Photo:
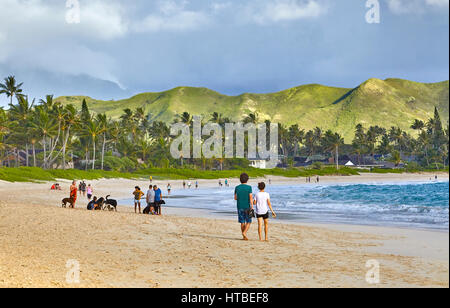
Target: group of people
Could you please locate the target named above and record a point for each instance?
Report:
(86, 190)
(227, 183)
(250, 206)
(309, 179)
(153, 200)
(189, 185)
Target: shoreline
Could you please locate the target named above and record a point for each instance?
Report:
(184, 249)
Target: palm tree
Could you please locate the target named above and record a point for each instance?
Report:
(396, 158)
(103, 121)
(93, 129)
(216, 118)
(185, 118)
(296, 136)
(418, 125)
(10, 88)
(45, 126)
(332, 143)
(21, 115)
(251, 118)
(4, 129)
(71, 120)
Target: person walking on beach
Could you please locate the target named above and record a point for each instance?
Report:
(158, 200)
(90, 192)
(73, 193)
(151, 179)
(137, 198)
(184, 184)
(196, 184)
(226, 182)
(169, 188)
(243, 196)
(262, 202)
(83, 188)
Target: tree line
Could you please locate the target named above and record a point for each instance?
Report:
(48, 134)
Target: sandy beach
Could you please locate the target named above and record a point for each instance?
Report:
(190, 248)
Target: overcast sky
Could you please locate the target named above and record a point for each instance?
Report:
(123, 47)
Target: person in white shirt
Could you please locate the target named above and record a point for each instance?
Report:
(151, 199)
(262, 206)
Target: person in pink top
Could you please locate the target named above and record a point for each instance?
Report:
(90, 192)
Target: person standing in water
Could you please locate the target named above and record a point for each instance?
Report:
(262, 203)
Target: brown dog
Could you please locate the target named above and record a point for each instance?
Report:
(66, 201)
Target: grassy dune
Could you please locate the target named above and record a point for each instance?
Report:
(29, 174)
(390, 102)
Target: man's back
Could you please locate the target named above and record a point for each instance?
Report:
(158, 195)
(243, 192)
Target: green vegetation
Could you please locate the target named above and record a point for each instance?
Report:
(55, 136)
(31, 174)
(392, 102)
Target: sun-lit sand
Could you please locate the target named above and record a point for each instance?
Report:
(190, 248)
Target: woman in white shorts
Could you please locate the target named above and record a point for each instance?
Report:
(262, 206)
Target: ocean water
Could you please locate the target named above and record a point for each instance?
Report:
(411, 205)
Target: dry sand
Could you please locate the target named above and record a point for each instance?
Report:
(123, 249)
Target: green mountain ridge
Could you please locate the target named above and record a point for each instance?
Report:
(390, 102)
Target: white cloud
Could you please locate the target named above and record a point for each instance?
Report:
(34, 34)
(218, 7)
(415, 6)
(103, 19)
(173, 16)
(438, 3)
(272, 11)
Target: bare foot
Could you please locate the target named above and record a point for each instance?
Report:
(245, 238)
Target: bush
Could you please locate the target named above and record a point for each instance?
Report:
(317, 165)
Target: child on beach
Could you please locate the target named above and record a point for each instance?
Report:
(137, 198)
(262, 202)
(90, 192)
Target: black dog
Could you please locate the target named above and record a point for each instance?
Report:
(110, 204)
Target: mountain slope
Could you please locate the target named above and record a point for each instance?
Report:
(386, 103)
